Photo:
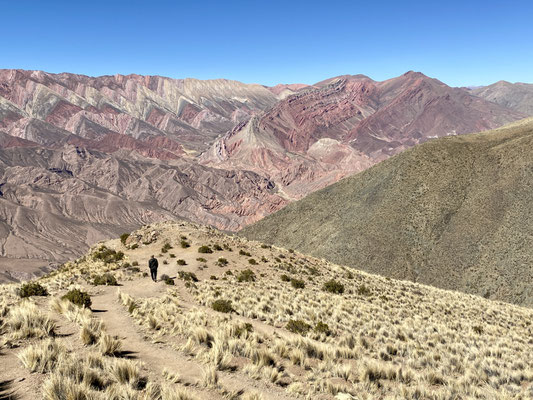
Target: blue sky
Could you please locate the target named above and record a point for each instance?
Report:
(268, 42)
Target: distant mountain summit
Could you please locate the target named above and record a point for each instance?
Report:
(516, 96)
(453, 213)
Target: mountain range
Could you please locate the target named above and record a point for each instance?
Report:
(83, 158)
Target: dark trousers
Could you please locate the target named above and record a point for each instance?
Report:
(153, 272)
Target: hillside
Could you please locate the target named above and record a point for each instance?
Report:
(453, 213)
(285, 336)
(516, 96)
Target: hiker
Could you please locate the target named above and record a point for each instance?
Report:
(153, 264)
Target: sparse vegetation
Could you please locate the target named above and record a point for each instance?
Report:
(184, 244)
(78, 297)
(246, 276)
(166, 247)
(105, 279)
(32, 289)
(223, 306)
(187, 276)
(107, 255)
(333, 286)
(298, 326)
(252, 261)
(167, 279)
(297, 283)
(124, 237)
(205, 249)
(181, 261)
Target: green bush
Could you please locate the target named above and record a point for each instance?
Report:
(265, 246)
(322, 327)
(108, 256)
(244, 253)
(181, 262)
(172, 255)
(105, 279)
(201, 259)
(205, 249)
(298, 326)
(134, 246)
(363, 291)
(246, 276)
(124, 237)
(167, 279)
(297, 283)
(223, 306)
(166, 247)
(226, 247)
(217, 247)
(252, 261)
(187, 276)
(222, 262)
(79, 298)
(333, 286)
(32, 289)
(184, 244)
(213, 278)
(285, 278)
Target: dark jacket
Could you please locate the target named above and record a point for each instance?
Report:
(153, 264)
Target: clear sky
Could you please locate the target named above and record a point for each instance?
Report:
(468, 42)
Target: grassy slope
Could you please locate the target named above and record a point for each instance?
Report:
(387, 339)
(455, 213)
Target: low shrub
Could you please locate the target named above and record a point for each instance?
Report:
(167, 279)
(333, 286)
(134, 246)
(205, 249)
(244, 253)
(298, 326)
(201, 259)
(246, 276)
(172, 255)
(297, 283)
(108, 256)
(322, 327)
(32, 289)
(76, 296)
(285, 278)
(166, 247)
(217, 247)
(363, 291)
(252, 261)
(187, 276)
(184, 244)
(222, 262)
(223, 306)
(181, 262)
(124, 237)
(105, 279)
(265, 246)
(135, 263)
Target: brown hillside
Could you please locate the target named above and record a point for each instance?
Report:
(455, 213)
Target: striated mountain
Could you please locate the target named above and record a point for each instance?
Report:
(55, 203)
(343, 125)
(516, 96)
(141, 113)
(453, 213)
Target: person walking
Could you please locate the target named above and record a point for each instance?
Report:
(153, 264)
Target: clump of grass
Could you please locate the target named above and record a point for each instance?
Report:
(297, 283)
(222, 262)
(41, 357)
(363, 291)
(26, 321)
(109, 345)
(105, 279)
(187, 276)
(124, 237)
(252, 261)
(184, 244)
(244, 253)
(217, 247)
(246, 276)
(78, 297)
(167, 279)
(333, 286)
(298, 326)
(285, 278)
(108, 256)
(205, 249)
(181, 261)
(32, 289)
(265, 246)
(201, 259)
(166, 247)
(322, 327)
(223, 306)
